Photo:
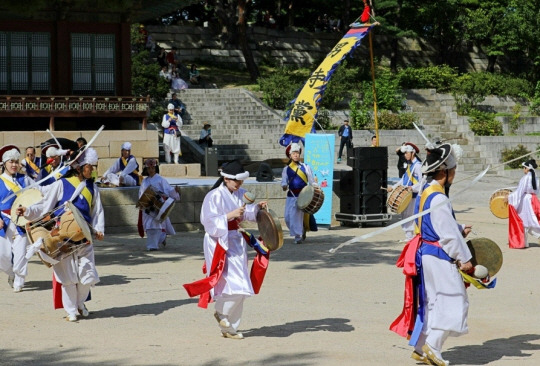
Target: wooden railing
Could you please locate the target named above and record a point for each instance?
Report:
(74, 106)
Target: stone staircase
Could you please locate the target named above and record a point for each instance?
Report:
(242, 126)
(437, 115)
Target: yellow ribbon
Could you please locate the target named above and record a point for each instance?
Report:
(85, 192)
(14, 187)
(425, 194)
(473, 281)
(32, 165)
(299, 171)
(410, 174)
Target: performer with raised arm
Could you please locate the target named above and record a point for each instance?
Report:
(31, 163)
(124, 171)
(524, 208)
(76, 273)
(171, 123)
(228, 278)
(411, 179)
(294, 178)
(13, 241)
(156, 229)
(434, 287)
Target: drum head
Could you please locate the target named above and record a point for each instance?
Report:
(166, 209)
(498, 203)
(305, 197)
(25, 199)
(147, 198)
(270, 229)
(80, 221)
(486, 253)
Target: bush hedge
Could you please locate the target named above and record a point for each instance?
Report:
(509, 154)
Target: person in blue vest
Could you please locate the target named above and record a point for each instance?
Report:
(76, 273)
(294, 178)
(411, 179)
(13, 241)
(124, 171)
(345, 133)
(55, 161)
(435, 290)
(31, 163)
(171, 123)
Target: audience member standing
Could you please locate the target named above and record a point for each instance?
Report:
(345, 132)
(171, 124)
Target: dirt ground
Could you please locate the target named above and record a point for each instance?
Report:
(315, 308)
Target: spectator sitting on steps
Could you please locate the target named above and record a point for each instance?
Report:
(205, 138)
(179, 106)
(194, 76)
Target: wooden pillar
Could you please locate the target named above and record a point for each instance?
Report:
(51, 123)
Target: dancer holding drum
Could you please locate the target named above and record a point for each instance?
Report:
(124, 171)
(436, 303)
(13, 239)
(407, 188)
(228, 278)
(76, 273)
(524, 208)
(294, 178)
(157, 228)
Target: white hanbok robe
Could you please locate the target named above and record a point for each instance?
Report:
(159, 184)
(171, 143)
(235, 279)
(294, 217)
(446, 300)
(115, 171)
(521, 200)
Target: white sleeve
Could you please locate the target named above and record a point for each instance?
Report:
(516, 196)
(417, 173)
(448, 230)
(214, 217)
(169, 190)
(165, 122)
(97, 213)
(53, 195)
(115, 168)
(131, 166)
(284, 178)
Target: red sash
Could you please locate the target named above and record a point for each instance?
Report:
(516, 231)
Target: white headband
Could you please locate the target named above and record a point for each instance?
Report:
(12, 154)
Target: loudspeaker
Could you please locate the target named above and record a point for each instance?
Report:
(350, 204)
(373, 204)
(350, 183)
(372, 181)
(265, 173)
(370, 158)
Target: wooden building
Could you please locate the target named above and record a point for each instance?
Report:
(66, 64)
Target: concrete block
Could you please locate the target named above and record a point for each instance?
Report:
(21, 139)
(138, 148)
(104, 164)
(193, 170)
(119, 196)
(183, 212)
(122, 215)
(102, 151)
(172, 170)
(1, 139)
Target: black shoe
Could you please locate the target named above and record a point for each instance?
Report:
(151, 250)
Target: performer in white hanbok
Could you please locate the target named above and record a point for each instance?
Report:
(411, 179)
(294, 178)
(125, 170)
(434, 287)
(229, 280)
(171, 123)
(76, 273)
(156, 231)
(524, 208)
(13, 241)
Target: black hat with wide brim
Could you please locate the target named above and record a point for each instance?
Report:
(436, 158)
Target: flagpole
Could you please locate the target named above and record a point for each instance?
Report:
(373, 87)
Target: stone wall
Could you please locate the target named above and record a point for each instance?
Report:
(295, 47)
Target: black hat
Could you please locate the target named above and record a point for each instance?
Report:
(530, 164)
(234, 170)
(436, 159)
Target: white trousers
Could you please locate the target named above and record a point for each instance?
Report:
(12, 255)
(408, 227)
(294, 218)
(73, 297)
(231, 307)
(154, 237)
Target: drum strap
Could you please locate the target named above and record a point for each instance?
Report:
(410, 175)
(32, 165)
(434, 188)
(298, 171)
(74, 181)
(136, 172)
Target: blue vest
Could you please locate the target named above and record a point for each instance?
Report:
(4, 192)
(295, 182)
(132, 174)
(30, 171)
(53, 179)
(80, 203)
(173, 127)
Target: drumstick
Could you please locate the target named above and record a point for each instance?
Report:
(17, 220)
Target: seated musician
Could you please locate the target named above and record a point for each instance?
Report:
(411, 179)
(156, 231)
(76, 273)
(31, 163)
(55, 160)
(124, 171)
(295, 177)
(13, 241)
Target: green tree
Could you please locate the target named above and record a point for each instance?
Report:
(525, 17)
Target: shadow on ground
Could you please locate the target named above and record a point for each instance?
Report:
(302, 326)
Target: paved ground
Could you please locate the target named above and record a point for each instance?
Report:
(314, 308)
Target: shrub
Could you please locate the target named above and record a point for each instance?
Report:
(389, 94)
(535, 100)
(395, 121)
(439, 77)
(511, 154)
(516, 119)
(340, 87)
(484, 123)
(360, 116)
(278, 88)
